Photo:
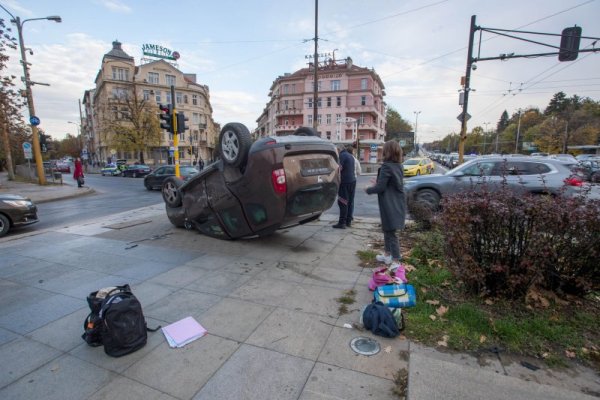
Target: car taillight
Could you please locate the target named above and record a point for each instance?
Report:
(278, 179)
(574, 181)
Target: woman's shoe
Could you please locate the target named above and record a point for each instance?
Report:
(384, 259)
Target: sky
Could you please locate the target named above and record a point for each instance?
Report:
(239, 47)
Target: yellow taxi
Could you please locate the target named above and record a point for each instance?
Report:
(417, 166)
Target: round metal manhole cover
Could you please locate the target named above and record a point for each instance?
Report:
(365, 346)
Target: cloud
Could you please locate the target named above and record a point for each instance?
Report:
(115, 6)
(17, 8)
(235, 106)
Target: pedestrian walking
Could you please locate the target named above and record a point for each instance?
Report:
(346, 189)
(389, 187)
(78, 172)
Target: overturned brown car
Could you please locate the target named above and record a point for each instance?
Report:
(256, 188)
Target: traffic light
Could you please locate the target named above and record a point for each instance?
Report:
(181, 120)
(166, 117)
(569, 44)
(43, 142)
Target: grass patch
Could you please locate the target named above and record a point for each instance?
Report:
(446, 317)
(346, 299)
(366, 257)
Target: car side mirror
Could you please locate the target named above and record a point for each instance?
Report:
(458, 174)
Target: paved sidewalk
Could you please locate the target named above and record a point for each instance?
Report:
(269, 305)
(66, 188)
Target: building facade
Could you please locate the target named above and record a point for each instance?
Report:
(349, 102)
(119, 81)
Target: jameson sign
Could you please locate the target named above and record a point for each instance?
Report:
(155, 50)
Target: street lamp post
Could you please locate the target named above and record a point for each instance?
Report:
(485, 133)
(518, 132)
(416, 125)
(34, 131)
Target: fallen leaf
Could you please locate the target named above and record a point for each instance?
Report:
(482, 338)
(444, 341)
(432, 317)
(545, 355)
(388, 349)
(424, 290)
(584, 350)
(432, 302)
(408, 267)
(489, 302)
(402, 337)
(441, 310)
(445, 283)
(570, 354)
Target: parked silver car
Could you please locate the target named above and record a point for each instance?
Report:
(524, 174)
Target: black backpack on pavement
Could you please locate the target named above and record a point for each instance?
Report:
(116, 321)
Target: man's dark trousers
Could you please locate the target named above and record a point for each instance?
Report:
(346, 202)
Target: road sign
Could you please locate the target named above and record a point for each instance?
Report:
(35, 121)
(373, 147)
(27, 150)
(460, 117)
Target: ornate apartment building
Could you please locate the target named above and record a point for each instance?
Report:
(349, 102)
(107, 105)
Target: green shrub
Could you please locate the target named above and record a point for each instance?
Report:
(501, 243)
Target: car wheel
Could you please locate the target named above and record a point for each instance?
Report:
(429, 197)
(148, 187)
(176, 216)
(234, 144)
(4, 225)
(305, 131)
(170, 191)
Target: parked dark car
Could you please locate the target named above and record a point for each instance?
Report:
(155, 179)
(16, 211)
(526, 174)
(136, 170)
(256, 188)
(588, 169)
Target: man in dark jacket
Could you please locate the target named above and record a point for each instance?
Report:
(347, 188)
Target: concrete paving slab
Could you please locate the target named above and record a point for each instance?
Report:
(180, 276)
(392, 357)
(257, 374)
(247, 265)
(219, 282)
(78, 283)
(180, 304)
(299, 255)
(142, 270)
(63, 333)
(149, 292)
(182, 372)
(314, 299)
(7, 336)
(212, 262)
(318, 244)
(485, 360)
(432, 379)
(287, 271)
(234, 319)
(14, 296)
(328, 382)
(22, 356)
(31, 317)
(76, 380)
(333, 277)
(37, 272)
(270, 292)
(293, 332)
(343, 260)
(120, 387)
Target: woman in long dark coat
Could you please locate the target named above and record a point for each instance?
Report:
(392, 202)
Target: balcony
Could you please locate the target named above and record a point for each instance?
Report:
(291, 111)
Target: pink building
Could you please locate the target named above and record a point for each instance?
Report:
(349, 103)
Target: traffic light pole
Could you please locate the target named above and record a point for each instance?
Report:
(175, 134)
(463, 125)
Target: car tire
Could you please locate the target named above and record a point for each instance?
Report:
(176, 216)
(234, 144)
(170, 192)
(429, 198)
(4, 225)
(148, 187)
(305, 131)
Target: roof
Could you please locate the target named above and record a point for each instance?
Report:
(117, 52)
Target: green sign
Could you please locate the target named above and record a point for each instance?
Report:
(158, 51)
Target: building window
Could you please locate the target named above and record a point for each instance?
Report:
(185, 98)
(157, 94)
(338, 101)
(335, 84)
(179, 97)
(169, 97)
(146, 95)
(361, 119)
(319, 102)
(153, 78)
(119, 93)
(120, 74)
(328, 133)
(328, 119)
(286, 122)
(363, 100)
(286, 89)
(115, 112)
(309, 120)
(363, 84)
(293, 88)
(170, 80)
(195, 119)
(319, 119)
(195, 99)
(329, 102)
(338, 117)
(310, 102)
(285, 105)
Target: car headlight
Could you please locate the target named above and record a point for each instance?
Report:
(18, 203)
